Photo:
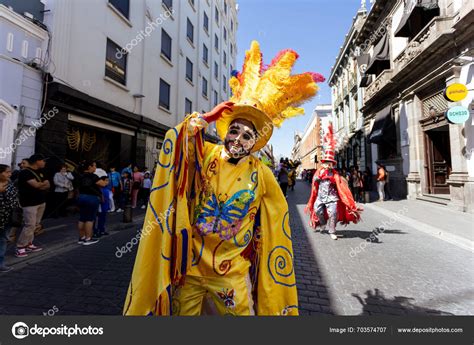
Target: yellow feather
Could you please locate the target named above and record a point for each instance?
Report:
(251, 73)
(236, 88)
(279, 93)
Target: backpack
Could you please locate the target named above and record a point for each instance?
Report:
(385, 175)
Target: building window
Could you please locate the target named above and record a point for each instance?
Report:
(168, 4)
(231, 69)
(115, 62)
(232, 50)
(225, 58)
(215, 97)
(188, 106)
(216, 11)
(225, 34)
(204, 87)
(190, 30)
(189, 70)
(231, 25)
(225, 7)
(216, 70)
(191, 2)
(224, 83)
(205, 54)
(10, 42)
(165, 91)
(24, 49)
(123, 6)
(165, 44)
(216, 42)
(206, 22)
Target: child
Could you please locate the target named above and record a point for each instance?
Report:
(116, 185)
(99, 229)
(146, 189)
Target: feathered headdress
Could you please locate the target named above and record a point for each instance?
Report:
(268, 95)
(329, 145)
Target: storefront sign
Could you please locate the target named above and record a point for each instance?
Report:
(455, 92)
(457, 114)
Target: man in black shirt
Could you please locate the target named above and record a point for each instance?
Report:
(33, 188)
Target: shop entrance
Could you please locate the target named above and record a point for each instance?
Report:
(437, 160)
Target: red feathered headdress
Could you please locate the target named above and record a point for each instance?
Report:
(329, 144)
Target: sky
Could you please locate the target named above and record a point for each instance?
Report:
(315, 29)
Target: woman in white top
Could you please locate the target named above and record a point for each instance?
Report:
(63, 185)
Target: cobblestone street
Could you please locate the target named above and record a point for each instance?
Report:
(403, 271)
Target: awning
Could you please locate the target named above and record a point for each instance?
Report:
(362, 62)
(381, 58)
(416, 15)
(382, 124)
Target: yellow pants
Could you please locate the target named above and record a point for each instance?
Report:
(224, 296)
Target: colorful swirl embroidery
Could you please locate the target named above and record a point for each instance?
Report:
(280, 266)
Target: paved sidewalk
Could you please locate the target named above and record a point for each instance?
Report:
(60, 234)
(398, 271)
(446, 224)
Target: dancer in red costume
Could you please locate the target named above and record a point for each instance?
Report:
(331, 200)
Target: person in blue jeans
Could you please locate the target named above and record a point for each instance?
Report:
(89, 197)
(115, 185)
(8, 201)
(104, 207)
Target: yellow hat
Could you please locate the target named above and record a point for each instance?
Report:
(267, 96)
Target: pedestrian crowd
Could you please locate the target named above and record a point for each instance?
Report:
(361, 183)
(285, 174)
(27, 192)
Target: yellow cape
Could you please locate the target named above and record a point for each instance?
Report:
(164, 253)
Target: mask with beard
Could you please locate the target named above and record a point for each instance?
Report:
(240, 138)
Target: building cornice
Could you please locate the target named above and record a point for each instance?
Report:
(343, 52)
(22, 22)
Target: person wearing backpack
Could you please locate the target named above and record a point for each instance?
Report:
(380, 181)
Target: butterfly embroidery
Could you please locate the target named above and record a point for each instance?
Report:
(227, 296)
(224, 217)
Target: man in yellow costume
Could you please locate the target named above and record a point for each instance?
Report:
(217, 226)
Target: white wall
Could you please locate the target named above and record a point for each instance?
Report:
(80, 30)
(398, 44)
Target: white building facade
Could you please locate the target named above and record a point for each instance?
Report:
(403, 55)
(123, 72)
(23, 45)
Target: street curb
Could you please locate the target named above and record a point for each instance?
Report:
(58, 249)
(441, 234)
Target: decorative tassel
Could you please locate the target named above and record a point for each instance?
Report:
(180, 262)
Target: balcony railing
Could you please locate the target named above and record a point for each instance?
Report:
(352, 127)
(433, 30)
(383, 79)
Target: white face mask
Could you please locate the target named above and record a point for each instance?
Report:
(240, 139)
(327, 165)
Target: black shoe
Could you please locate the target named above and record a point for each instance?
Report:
(90, 241)
(105, 233)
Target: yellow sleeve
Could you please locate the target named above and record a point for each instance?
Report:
(164, 244)
(276, 282)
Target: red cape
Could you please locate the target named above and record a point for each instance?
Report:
(347, 210)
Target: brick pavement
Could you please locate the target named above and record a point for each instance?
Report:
(403, 271)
